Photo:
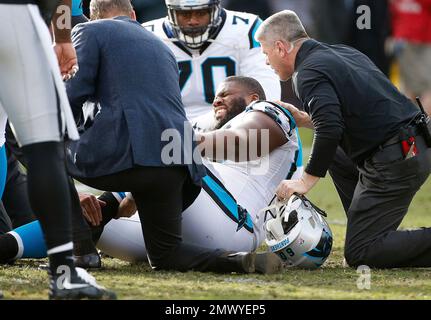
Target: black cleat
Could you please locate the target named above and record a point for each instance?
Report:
(248, 262)
(88, 261)
(239, 262)
(245, 260)
(268, 263)
(82, 286)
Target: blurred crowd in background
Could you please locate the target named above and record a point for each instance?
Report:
(398, 42)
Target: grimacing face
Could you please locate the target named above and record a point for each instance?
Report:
(230, 100)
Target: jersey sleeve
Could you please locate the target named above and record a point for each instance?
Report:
(281, 116)
(155, 26)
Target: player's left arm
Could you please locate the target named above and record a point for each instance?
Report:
(257, 132)
(62, 25)
(253, 64)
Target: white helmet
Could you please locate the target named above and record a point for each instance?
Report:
(194, 37)
(298, 233)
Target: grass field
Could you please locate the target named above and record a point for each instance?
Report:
(131, 281)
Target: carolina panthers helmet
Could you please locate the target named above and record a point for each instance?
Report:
(194, 37)
(298, 233)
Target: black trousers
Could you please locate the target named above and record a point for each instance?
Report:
(15, 196)
(376, 197)
(5, 223)
(161, 194)
(16, 209)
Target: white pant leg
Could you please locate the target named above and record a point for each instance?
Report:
(27, 90)
(204, 223)
(123, 239)
(3, 121)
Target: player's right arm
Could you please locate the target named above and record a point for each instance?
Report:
(66, 54)
(257, 131)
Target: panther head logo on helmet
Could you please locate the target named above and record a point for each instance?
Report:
(298, 233)
(194, 35)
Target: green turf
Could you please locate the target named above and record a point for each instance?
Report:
(25, 281)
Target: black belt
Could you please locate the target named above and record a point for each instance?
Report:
(414, 131)
(391, 149)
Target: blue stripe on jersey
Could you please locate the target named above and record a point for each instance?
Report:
(226, 202)
(77, 8)
(299, 160)
(254, 27)
(288, 115)
(292, 124)
(293, 166)
(3, 169)
(122, 194)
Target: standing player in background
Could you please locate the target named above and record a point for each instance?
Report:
(15, 196)
(29, 64)
(210, 44)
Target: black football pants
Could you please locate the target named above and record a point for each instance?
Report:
(376, 197)
(161, 194)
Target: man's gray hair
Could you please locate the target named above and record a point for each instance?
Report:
(100, 9)
(284, 25)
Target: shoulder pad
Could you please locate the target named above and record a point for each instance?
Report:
(277, 113)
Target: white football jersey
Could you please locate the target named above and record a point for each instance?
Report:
(227, 212)
(232, 51)
(3, 121)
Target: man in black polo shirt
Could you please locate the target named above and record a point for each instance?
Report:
(354, 107)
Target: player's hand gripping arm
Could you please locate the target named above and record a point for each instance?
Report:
(302, 119)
